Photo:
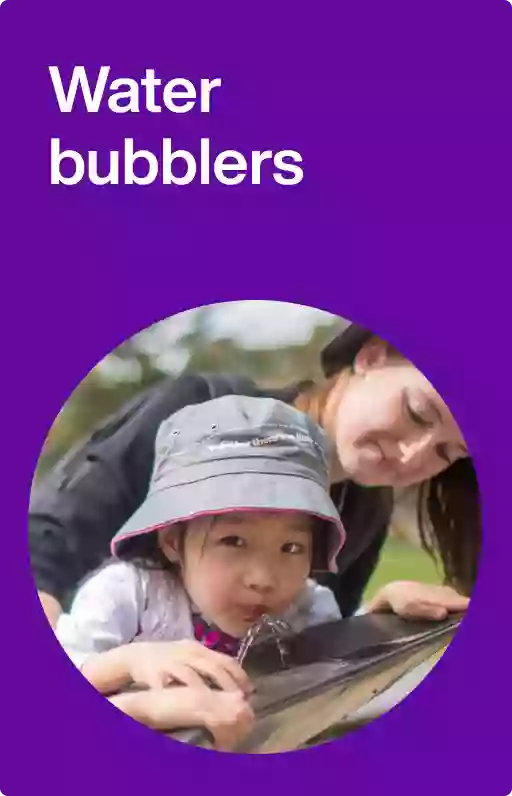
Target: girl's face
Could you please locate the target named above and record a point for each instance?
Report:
(390, 426)
(238, 566)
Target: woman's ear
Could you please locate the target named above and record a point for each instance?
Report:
(373, 354)
(169, 543)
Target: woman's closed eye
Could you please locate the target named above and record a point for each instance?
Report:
(417, 418)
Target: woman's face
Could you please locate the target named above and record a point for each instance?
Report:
(390, 426)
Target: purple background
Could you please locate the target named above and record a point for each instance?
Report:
(402, 112)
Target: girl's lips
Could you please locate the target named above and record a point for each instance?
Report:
(254, 613)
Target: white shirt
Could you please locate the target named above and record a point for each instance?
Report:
(122, 603)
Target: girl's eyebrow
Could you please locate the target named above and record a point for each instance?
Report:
(232, 519)
(301, 528)
(239, 518)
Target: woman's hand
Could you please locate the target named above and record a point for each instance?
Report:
(158, 664)
(227, 715)
(417, 600)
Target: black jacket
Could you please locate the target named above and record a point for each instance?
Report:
(87, 497)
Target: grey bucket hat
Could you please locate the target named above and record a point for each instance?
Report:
(237, 453)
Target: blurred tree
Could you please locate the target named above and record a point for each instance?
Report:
(144, 360)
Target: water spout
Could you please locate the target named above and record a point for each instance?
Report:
(264, 628)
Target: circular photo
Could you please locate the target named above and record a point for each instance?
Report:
(255, 527)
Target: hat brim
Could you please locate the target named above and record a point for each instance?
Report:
(229, 493)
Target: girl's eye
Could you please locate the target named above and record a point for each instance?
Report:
(232, 541)
(293, 547)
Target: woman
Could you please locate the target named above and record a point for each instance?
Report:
(390, 429)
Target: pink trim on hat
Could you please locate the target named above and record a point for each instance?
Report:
(246, 510)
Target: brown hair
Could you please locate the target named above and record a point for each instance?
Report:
(448, 506)
(449, 519)
(313, 398)
(145, 552)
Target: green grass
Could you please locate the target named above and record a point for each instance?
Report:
(402, 561)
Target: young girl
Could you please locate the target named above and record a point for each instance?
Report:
(237, 517)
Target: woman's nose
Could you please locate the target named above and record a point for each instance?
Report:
(408, 450)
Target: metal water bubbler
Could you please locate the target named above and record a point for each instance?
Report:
(267, 625)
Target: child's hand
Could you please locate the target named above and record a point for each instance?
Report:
(227, 715)
(157, 664)
(417, 600)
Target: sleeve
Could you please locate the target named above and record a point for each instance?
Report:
(323, 605)
(77, 509)
(105, 613)
(316, 605)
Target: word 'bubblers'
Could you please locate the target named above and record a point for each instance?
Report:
(174, 167)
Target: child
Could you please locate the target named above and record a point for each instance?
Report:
(237, 516)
